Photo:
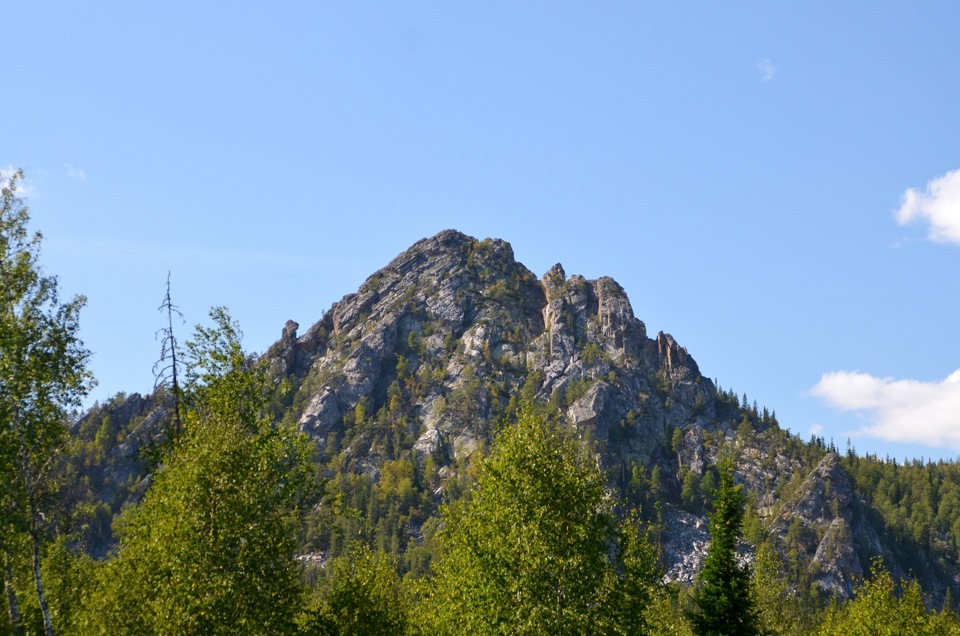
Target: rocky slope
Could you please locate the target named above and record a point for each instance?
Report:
(451, 310)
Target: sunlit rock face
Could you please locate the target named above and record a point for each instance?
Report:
(470, 326)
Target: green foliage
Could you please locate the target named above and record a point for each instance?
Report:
(722, 601)
(676, 441)
(745, 432)
(210, 549)
(781, 611)
(591, 353)
(363, 596)
(89, 473)
(42, 374)
(877, 610)
(561, 399)
(528, 541)
(690, 494)
(708, 486)
(664, 613)
(536, 548)
(631, 582)
(66, 573)
(919, 505)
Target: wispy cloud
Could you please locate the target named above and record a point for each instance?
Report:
(23, 189)
(75, 173)
(938, 206)
(767, 69)
(123, 249)
(898, 410)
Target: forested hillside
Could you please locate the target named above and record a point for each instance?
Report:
(458, 447)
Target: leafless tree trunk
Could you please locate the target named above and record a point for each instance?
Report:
(166, 368)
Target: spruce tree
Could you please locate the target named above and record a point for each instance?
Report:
(722, 602)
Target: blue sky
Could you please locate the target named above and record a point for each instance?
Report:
(776, 185)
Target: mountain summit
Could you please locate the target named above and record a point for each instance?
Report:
(454, 327)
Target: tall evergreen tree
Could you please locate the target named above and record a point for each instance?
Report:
(722, 602)
(42, 375)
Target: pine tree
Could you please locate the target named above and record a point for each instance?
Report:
(722, 602)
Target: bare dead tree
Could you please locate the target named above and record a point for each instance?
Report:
(166, 368)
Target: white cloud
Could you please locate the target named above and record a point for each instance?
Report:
(767, 69)
(816, 429)
(898, 410)
(24, 189)
(939, 206)
(75, 173)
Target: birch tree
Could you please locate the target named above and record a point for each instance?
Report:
(43, 375)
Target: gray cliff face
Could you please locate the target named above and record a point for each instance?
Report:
(437, 313)
(462, 315)
(822, 520)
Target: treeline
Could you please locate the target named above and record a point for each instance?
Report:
(919, 501)
(535, 546)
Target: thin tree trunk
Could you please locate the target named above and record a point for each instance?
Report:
(29, 483)
(13, 607)
(173, 364)
(41, 595)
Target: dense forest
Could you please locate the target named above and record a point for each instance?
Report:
(206, 507)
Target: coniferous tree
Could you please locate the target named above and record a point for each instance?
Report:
(722, 602)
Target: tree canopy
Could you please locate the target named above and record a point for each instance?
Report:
(42, 375)
(210, 549)
(536, 548)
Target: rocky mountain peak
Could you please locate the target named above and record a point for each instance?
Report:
(452, 309)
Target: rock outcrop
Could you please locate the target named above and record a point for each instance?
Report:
(822, 521)
(452, 309)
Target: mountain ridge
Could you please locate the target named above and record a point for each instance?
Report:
(403, 385)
